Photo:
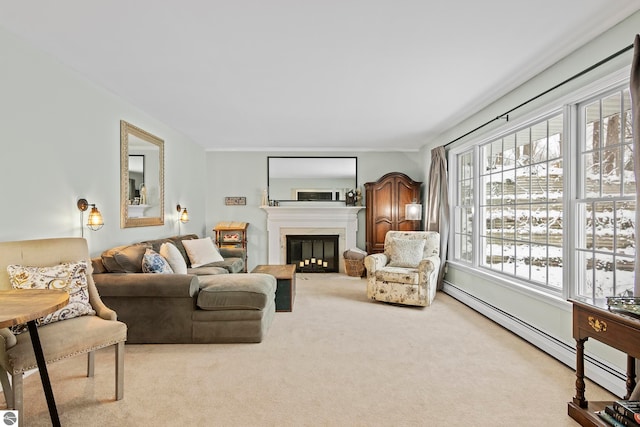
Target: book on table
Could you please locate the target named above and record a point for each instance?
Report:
(624, 413)
(629, 408)
(620, 418)
(609, 419)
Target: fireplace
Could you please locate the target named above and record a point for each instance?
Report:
(313, 253)
(310, 218)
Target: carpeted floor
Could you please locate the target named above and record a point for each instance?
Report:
(337, 360)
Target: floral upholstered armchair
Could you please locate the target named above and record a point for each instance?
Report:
(407, 271)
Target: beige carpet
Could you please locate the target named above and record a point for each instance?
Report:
(337, 360)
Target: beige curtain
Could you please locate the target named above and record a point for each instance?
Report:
(634, 87)
(438, 204)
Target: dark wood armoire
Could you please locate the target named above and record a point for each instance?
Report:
(385, 202)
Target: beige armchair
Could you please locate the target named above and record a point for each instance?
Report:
(61, 339)
(407, 271)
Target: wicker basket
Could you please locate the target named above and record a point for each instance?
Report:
(354, 267)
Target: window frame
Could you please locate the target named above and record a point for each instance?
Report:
(581, 193)
(566, 103)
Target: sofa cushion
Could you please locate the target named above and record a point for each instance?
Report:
(232, 265)
(70, 277)
(125, 259)
(406, 252)
(409, 276)
(202, 251)
(207, 270)
(173, 256)
(251, 291)
(153, 262)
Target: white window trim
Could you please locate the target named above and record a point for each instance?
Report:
(567, 104)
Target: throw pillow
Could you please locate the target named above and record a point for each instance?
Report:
(406, 252)
(153, 262)
(201, 251)
(70, 277)
(173, 256)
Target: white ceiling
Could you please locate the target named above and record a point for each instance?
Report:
(311, 74)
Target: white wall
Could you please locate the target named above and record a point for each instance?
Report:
(551, 317)
(60, 141)
(236, 173)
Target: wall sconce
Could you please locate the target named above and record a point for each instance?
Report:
(413, 211)
(184, 215)
(94, 220)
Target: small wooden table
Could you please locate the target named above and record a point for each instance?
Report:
(286, 278)
(615, 330)
(232, 234)
(26, 305)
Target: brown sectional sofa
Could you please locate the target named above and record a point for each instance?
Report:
(209, 304)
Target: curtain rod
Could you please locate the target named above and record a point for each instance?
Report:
(575, 76)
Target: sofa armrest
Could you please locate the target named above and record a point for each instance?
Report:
(430, 267)
(229, 252)
(146, 284)
(99, 306)
(7, 339)
(429, 264)
(375, 262)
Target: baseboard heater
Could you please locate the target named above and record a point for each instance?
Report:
(598, 371)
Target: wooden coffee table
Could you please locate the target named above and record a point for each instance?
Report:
(286, 278)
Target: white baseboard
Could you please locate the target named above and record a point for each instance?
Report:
(603, 374)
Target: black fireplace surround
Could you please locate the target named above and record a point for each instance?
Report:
(313, 253)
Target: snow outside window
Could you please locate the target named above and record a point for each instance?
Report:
(515, 186)
(521, 180)
(606, 201)
(463, 210)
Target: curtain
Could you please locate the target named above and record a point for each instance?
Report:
(438, 204)
(634, 87)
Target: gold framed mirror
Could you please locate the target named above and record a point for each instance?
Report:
(141, 177)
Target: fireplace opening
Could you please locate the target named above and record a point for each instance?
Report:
(313, 253)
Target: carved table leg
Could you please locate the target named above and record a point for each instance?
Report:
(580, 387)
(631, 376)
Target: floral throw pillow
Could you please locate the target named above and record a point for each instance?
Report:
(153, 262)
(406, 252)
(70, 277)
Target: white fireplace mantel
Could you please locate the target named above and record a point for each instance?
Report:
(310, 219)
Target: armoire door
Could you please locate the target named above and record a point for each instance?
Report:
(385, 203)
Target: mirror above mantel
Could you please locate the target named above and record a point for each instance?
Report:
(141, 177)
(311, 179)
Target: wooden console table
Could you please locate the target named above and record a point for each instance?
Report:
(616, 330)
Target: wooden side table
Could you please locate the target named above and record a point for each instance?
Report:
(615, 330)
(232, 234)
(26, 305)
(286, 278)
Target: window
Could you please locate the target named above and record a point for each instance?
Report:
(463, 221)
(606, 203)
(521, 187)
(511, 192)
